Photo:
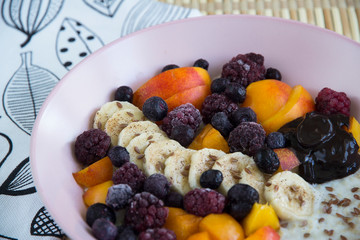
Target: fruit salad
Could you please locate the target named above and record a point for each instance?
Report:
(240, 156)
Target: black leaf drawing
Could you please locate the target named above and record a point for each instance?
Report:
(105, 7)
(74, 42)
(5, 237)
(43, 225)
(20, 181)
(29, 17)
(6, 147)
(26, 91)
(149, 13)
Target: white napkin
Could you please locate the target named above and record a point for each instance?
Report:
(40, 41)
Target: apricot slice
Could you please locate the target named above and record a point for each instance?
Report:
(173, 213)
(97, 193)
(288, 159)
(183, 225)
(354, 128)
(197, 142)
(264, 233)
(209, 137)
(200, 236)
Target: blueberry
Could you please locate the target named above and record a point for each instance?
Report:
(104, 229)
(158, 185)
(174, 199)
(118, 196)
(99, 210)
(126, 233)
(118, 156)
(211, 179)
(273, 73)
(243, 114)
(155, 108)
(275, 140)
(124, 93)
(201, 63)
(184, 134)
(239, 210)
(221, 123)
(169, 67)
(236, 92)
(267, 160)
(219, 85)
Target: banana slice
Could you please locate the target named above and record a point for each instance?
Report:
(138, 145)
(156, 155)
(119, 120)
(177, 169)
(290, 195)
(252, 176)
(134, 129)
(108, 109)
(201, 161)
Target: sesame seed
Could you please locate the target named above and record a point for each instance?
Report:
(276, 188)
(119, 105)
(321, 220)
(306, 235)
(356, 196)
(140, 156)
(137, 150)
(247, 171)
(268, 184)
(284, 224)
(330, 189)
(130, 114)
(343, 237)
(329, 232)
(354, 189)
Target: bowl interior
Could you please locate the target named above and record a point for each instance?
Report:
(306, 55)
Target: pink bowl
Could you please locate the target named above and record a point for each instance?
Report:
(306, 55)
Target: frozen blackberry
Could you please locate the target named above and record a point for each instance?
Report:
(273, 73)
(236, 92)
(201, 63)
(131, 175)
(91, 146)
(219, 85)
(243, 114)
(146, 211)
(221, 123)
(217, 103)
(124, 93)
(211, 179)
(174, 199)
(99, 210)
(245, 69)
(184, 134)
(158, 234)
(103, 229)
(275, 140)
(169, 67)
(247, 137)
(329, 102)
(185, 114)
(155, 108)
(203, 201)
(267, 160)
(118, 156)
(126, 233)
(158, 185)
(118, 196)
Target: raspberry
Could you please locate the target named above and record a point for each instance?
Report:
(157, 233)
(146, 211)
(118, 196)
(131, 175)
(203, 201)
(91, 146)
(245, 69)
(247, 137)
(329, 102)
(185, 114)
(158, 185)
(217, 103)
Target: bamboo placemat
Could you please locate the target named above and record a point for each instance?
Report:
(341, 16)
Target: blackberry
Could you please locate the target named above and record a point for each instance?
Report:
(118, 156)
(91, 146)
(221, 123)
(169, 67)
(211, 179)
(174, 199)
(203, 201)
(219, 85)
(275, 140)
(185, 114)
(217, 103)
(273, 73)
(118, 196)
(158, 185)
(104, 229)
(146, 211)
(329, 102)
(184, 134)
(243, 114)
(201, 63)
(130, 174)
(124, 93)
(247, 137)
(155, 108)
(99, 210)
(158, 234)
(126, 233)
(236, 92)
(244, 69)
(267, 160)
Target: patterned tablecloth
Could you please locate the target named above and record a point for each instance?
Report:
(40, 41)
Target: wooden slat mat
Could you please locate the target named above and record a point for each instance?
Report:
(341, 16)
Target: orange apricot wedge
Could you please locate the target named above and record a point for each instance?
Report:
(97, 193)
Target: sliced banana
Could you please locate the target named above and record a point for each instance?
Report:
(290, 195)
(119, 120)
(156, 155)
(201, 161)
(134, 129)
(138, 145)
(108, 109)
(252, 176)
(177, 169)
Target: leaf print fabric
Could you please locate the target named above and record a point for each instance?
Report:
(106, 7)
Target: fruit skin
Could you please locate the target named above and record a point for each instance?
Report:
(176, 86)
(264, 233)
(200, 236)
(287, 158)
(98, 172)
(221, 227)
(97, 193)
(209, 137)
